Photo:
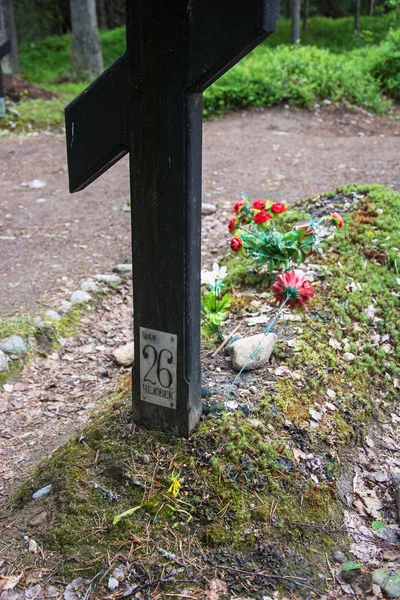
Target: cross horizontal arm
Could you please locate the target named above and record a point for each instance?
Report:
(97, 134)
(224, 31)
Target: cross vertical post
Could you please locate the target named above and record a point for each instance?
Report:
(175, 49)
(165, 162)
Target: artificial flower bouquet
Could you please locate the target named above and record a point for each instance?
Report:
(259, 232)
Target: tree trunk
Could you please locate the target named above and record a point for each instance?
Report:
(371, 8)
(10, 63)
(87, 60)
(357, 17)
(101, 12)
(305, 15)
(295, 37)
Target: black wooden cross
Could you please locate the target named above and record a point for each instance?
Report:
(149, 103)
(4, 50)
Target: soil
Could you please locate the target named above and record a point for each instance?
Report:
(16, 87)
(287, 153)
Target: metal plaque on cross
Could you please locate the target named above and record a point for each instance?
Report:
(149, 103)
(4, 50)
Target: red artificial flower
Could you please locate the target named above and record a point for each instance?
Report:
(236, 244)
(232, 225)
(293, 287)
(262, 217)
(337, 220)
(239, 205)
(278, 207)
(259, 204)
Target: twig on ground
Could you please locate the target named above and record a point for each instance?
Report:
(226, 340)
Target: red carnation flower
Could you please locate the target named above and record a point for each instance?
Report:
(262, 217)
(232, 225)
(259, 204)
(278, 207)
(293, 287)
(337, 220)
(236, 244)
(239, 205)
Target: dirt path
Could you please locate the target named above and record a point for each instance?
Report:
(45, 243)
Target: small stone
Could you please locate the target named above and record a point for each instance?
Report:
(39, 519)
(35, 184)
(112, 583)
(53, 315)
(14, 345)
(89, 286)
(43, 492)
(41, 200)
(144, 458)
(3, 362)
(65, 306)
(339, 557)
(123, 269)
(261, 346)
(80, 297)
(253, 389)
(331, 394)
(124, 355)
(208, 209)
(118, 573)
(388, 580)
(380, 477)
(245, 392)
(112, 280)
(349, 356)
(315, 415)
(33, 547)
(231, 405)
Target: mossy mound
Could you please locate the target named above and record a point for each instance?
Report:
(235, 501)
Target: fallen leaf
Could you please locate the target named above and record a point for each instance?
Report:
(9, 583)
(216, 588)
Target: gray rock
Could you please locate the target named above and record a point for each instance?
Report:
(4, 360)
(144, 458)
(233, 339)
(123, 268)
(53, 315)
(80, 297)
(42, 492)
(388, 580)
(252, 352)
(14, 345)
(253, 389)
(339, 557)
(75, 590)
(108, 279)
(39, 519)
(124, 355)
(112, 583)
(208, 209)
(65, 306)
(33, 547)
(89, 286)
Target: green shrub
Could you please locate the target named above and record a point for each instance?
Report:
(298, 76)
(387, 66)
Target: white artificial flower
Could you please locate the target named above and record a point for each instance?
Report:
(207, 277)
(220, 272)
